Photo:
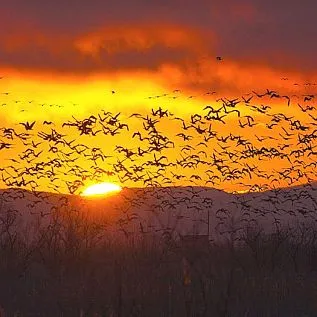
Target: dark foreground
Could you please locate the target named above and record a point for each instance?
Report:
(70, 272)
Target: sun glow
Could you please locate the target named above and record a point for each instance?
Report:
(101, 189)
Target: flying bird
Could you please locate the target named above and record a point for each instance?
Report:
(27, 125)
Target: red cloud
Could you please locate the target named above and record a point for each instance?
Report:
(114, 39)
(118, 46)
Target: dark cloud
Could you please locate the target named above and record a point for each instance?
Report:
(281, 34)
(38, 58)
(276, 33)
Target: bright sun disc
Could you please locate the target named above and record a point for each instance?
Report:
(101, 189)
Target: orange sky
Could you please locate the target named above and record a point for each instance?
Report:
(73, 72)
(82, 97)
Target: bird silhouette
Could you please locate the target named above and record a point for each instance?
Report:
(27, 125)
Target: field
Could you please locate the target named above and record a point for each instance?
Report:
(77, 267)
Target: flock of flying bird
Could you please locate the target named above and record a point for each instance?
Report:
(241, 142)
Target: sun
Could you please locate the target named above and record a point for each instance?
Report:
(101, 189)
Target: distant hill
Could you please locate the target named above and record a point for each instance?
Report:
(178, 210)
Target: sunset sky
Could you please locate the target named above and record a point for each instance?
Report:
(175, 39)
(74, 53)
